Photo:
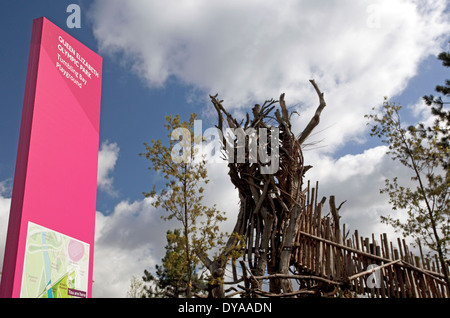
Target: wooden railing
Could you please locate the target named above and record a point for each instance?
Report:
(361, 266)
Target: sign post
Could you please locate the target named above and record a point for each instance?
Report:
(50, 240)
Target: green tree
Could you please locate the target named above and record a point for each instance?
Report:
(438, 131)
(186, 175)
(425, 151)
(137, 288)
(171, 279)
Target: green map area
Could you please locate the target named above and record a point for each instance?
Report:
(55, 265)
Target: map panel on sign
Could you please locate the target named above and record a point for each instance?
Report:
(55, 266)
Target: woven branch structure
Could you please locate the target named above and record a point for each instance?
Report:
(289, 242)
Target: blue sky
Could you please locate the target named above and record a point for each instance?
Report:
(123, 94)
(165, 57)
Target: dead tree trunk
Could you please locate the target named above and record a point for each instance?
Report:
(271, 200)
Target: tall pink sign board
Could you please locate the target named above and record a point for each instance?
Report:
(50, 240)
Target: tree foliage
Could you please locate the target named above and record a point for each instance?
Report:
(172, 278)
(137, 288)
(426, 203)
(186, 175)
(424, 150)
(438, 132)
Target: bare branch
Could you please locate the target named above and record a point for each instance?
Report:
(316, 118)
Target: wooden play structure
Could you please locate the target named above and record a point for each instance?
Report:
(295, 244)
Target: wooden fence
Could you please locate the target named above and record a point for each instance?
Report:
(372, 267)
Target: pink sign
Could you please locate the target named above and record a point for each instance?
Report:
(52, 217)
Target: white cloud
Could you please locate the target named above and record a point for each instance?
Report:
(107, 158)
(357, 180)
(128, 241)
(421, 113)
(3, 186)
(5, 204)
(222, 192)
(348, 166)
(358, 51)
